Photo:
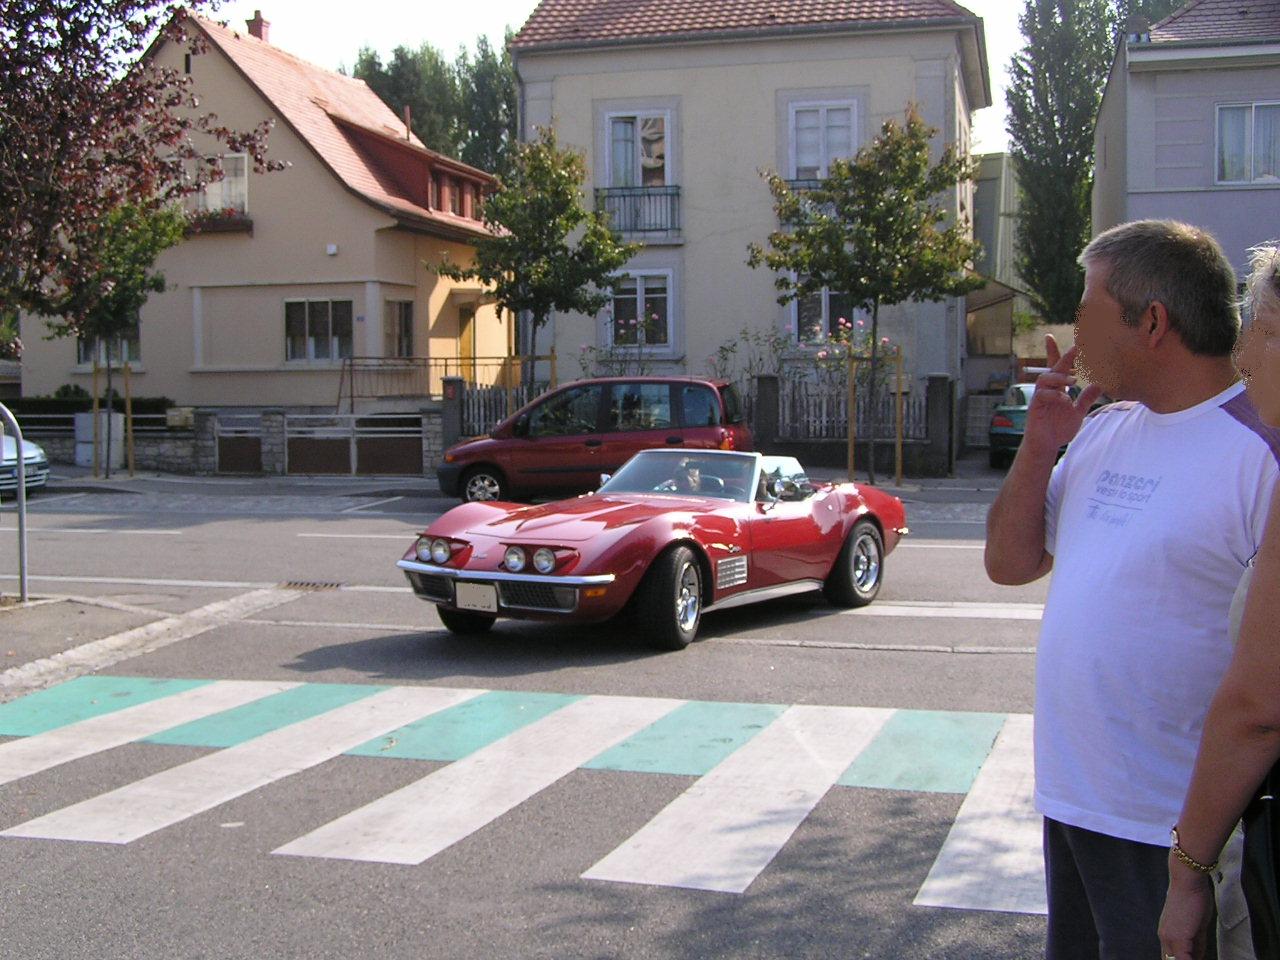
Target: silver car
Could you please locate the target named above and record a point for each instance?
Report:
(34, 459)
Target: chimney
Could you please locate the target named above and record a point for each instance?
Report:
(258, 27)
(1138, 29)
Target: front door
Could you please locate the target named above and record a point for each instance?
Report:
(467, 343)
(557, 446)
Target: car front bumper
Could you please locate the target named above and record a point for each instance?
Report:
(37, 475)
(525, 595)
(448, 475)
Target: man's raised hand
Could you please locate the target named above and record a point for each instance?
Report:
(1054, 418)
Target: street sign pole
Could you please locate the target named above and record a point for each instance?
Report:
(11, 424)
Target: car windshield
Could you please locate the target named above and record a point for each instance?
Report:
(725, 476)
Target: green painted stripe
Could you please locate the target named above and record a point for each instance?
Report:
(690, 740)
(452, 734)
(927, 751)
(230, 727)
(82, 699)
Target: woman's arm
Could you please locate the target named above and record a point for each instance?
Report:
(1240, 743)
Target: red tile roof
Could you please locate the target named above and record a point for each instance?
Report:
(349, 128)
(573, 22)
(1210, 20)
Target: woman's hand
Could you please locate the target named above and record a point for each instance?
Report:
(1188, 913)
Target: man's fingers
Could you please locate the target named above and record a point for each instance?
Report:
(1051, 351)
(1066, 362)
(1054, 380)
(1088, 396)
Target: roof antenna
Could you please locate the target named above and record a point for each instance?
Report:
(408, 122)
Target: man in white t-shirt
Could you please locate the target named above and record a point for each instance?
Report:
(1147, 524)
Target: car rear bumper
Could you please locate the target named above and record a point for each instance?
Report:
(1005, 441)
(524, 595)
(448, 474)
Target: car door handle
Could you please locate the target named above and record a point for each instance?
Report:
(675, 439)
(592, 443)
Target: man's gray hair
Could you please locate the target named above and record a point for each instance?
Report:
(1178, 265)
(1264, 277)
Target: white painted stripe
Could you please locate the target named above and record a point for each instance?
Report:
(99, 654)
(406, 537)
(365, 506)
(103, 530)
(44, 499)
(727, 827)
(419, 820)
(959, 648)
(22, 758)
(210, 584)
(180, 792)
(992, 858)
(951, 611)
(940, 546)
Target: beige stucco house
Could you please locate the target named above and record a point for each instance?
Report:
(679, 106)
(287, 274)
(1189, 125)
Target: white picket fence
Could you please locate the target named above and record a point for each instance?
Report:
(484, 406)
(813, 411)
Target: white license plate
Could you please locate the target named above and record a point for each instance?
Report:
(476, 596)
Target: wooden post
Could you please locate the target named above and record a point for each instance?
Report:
(553, 365)
(853, 409)
(128, 419)
(95, 416)
(897, 480)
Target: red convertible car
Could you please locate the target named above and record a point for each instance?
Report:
(672, 535)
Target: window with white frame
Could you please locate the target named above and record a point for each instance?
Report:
(641, 311)
(817, 315)
(229, 195)
(1248, 143)
(397, 328)
(820, 133)
(317, 329)
(117, 351)
(637, 149)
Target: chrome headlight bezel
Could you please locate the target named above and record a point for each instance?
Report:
(514, 559)
(544, 560)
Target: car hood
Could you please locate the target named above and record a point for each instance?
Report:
(573, 521)
(30, 451)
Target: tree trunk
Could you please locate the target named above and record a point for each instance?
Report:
(874, 431)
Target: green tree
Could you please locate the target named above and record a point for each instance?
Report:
(425, 82)
(545, 251)
(487, 91)
(875, 229)
(110, 297)
(1055, 89)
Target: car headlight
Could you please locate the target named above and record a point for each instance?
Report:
(514, 559)
(440, 551)
(423, 549)
(544, 560)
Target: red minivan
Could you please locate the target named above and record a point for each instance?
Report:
(562, 441)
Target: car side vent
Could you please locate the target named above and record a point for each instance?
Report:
(731, 572)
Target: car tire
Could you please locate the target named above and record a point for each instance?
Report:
(668, 602)
(483, 483)
(464, 622)
(995, 459)
(855, 579)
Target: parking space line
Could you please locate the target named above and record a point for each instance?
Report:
(365, 506)
(91, 530)
(405, 537)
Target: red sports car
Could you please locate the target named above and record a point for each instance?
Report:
(672, 535)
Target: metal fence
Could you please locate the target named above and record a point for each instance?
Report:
(359, 444)
(814, 411)
(238, 438)
(641, 209)
(50, 426)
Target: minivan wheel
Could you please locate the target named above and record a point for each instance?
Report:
(483, 483)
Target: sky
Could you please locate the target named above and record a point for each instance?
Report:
(330, 33)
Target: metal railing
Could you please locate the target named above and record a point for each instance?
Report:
(381, 378)
(8, 423)
(641, 209)
(38, 426)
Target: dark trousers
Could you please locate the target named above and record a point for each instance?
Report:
(1105, 895)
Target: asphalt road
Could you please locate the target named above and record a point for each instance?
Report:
(292, 589)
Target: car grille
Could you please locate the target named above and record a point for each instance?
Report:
(437, 588)
(537, 596)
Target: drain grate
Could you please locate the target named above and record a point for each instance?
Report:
(310, 585)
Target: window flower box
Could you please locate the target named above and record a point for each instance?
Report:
(221, 220)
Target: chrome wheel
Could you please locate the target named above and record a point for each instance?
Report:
(866, 562)
(482, 486)
(688, 597)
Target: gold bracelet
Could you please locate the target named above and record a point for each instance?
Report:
(1186, 859)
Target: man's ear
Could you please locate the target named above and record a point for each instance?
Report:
(1155, 323)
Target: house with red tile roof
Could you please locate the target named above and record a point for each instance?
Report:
(679, 105)
(288, 275)
(1189, 124)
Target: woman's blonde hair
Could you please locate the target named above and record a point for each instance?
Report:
(1263, 286)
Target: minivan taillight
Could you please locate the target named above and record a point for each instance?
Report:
(726, 439)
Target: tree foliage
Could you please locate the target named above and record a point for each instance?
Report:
(545, 250)
(1055, 89)
(88, 125)
(875, 229)
(465, 109)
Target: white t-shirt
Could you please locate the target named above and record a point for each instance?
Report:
(1151, 519)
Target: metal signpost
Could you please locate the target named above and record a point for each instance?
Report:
(10, 424)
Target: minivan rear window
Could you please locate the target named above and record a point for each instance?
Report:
(733, 412)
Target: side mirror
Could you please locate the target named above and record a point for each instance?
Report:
(521, 427)
(784, 489)
(605, 478)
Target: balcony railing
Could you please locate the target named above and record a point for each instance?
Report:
(641, 210)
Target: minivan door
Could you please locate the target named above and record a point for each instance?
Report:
(557, 444)
(638, 416)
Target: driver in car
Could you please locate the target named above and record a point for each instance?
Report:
(687, 478)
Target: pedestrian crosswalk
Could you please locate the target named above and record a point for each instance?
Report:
(758, 769)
